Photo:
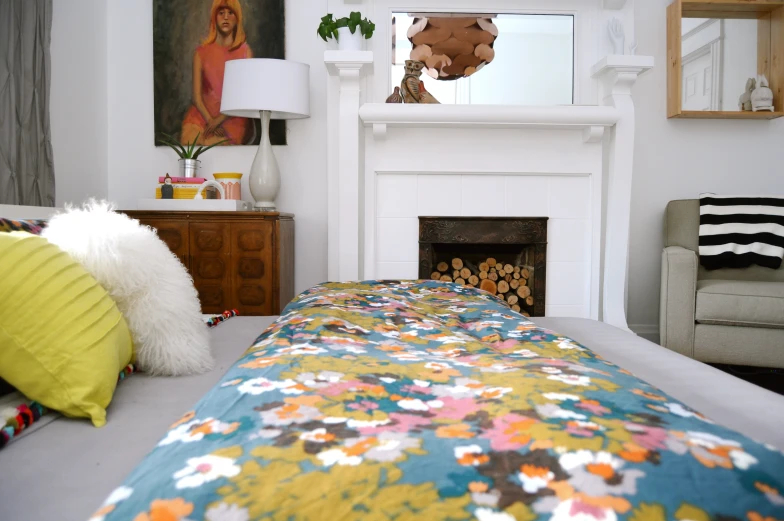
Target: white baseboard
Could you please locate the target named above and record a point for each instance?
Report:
(647, 331)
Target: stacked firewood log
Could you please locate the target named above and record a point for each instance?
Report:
(512, 284)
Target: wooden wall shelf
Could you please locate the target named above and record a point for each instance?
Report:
(720, 114)
(770, 50)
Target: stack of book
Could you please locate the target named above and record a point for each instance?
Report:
(184, 187)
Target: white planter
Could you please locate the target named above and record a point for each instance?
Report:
(350, 42)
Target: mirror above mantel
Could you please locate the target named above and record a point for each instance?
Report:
(724, 59)
(487, 58)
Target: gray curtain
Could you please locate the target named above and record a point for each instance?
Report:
(26, 165)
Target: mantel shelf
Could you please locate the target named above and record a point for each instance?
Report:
(719, 114)
(569, 117)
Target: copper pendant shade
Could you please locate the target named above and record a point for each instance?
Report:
(451, 47)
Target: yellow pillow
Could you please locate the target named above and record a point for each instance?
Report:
(62, 339)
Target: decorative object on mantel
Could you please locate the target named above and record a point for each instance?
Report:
(189, 153)
(762, 97)
(769, 35)
(349, 31)
(395, 97)
(453, 47)
(269, 89)
(411, 82)
(744, 102)
(412, 87)
(617, 35)
(425, 96)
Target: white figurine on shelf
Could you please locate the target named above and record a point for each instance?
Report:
(744, 103)
(617, 35)
(762, 97)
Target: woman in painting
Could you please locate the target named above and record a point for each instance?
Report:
(225, 42)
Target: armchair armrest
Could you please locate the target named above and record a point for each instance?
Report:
(677, 301)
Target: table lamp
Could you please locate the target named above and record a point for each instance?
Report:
(267, 89)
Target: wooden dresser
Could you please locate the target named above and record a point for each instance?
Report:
(238, 260)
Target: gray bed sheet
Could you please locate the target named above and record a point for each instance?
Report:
(66, 468)
(725, 399)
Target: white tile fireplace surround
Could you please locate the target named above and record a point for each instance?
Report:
(573, 164)
(566, 199)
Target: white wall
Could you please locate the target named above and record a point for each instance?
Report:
(674, 158)
(134, 163)
(678, 159)
(78, 110)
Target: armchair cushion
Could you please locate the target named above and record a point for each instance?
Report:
(740, 303)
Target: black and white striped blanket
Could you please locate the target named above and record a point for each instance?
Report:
(736, 232)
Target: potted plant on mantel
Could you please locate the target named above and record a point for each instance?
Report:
(349, 31)
(189, 153)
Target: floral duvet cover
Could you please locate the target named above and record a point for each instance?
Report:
(427, 400)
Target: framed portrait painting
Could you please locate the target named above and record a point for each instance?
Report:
(192, 41)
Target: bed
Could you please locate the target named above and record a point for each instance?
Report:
(75, 466)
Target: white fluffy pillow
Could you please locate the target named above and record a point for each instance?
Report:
(151, 287)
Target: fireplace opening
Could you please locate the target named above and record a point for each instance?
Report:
(503, 256)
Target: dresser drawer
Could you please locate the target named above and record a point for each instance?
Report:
(238, 260)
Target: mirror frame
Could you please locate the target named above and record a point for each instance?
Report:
(770, 50)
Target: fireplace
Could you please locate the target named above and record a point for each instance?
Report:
(505, 256)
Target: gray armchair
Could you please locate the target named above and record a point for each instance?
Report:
(726, 316)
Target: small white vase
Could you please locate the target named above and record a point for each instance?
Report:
(350, 42)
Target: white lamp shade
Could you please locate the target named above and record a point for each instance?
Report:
(255, 84)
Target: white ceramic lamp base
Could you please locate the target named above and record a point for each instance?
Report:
(264, 178)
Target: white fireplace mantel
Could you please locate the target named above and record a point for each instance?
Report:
(343, 228)
(390, 163)
(590, 119)
(617, 75)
